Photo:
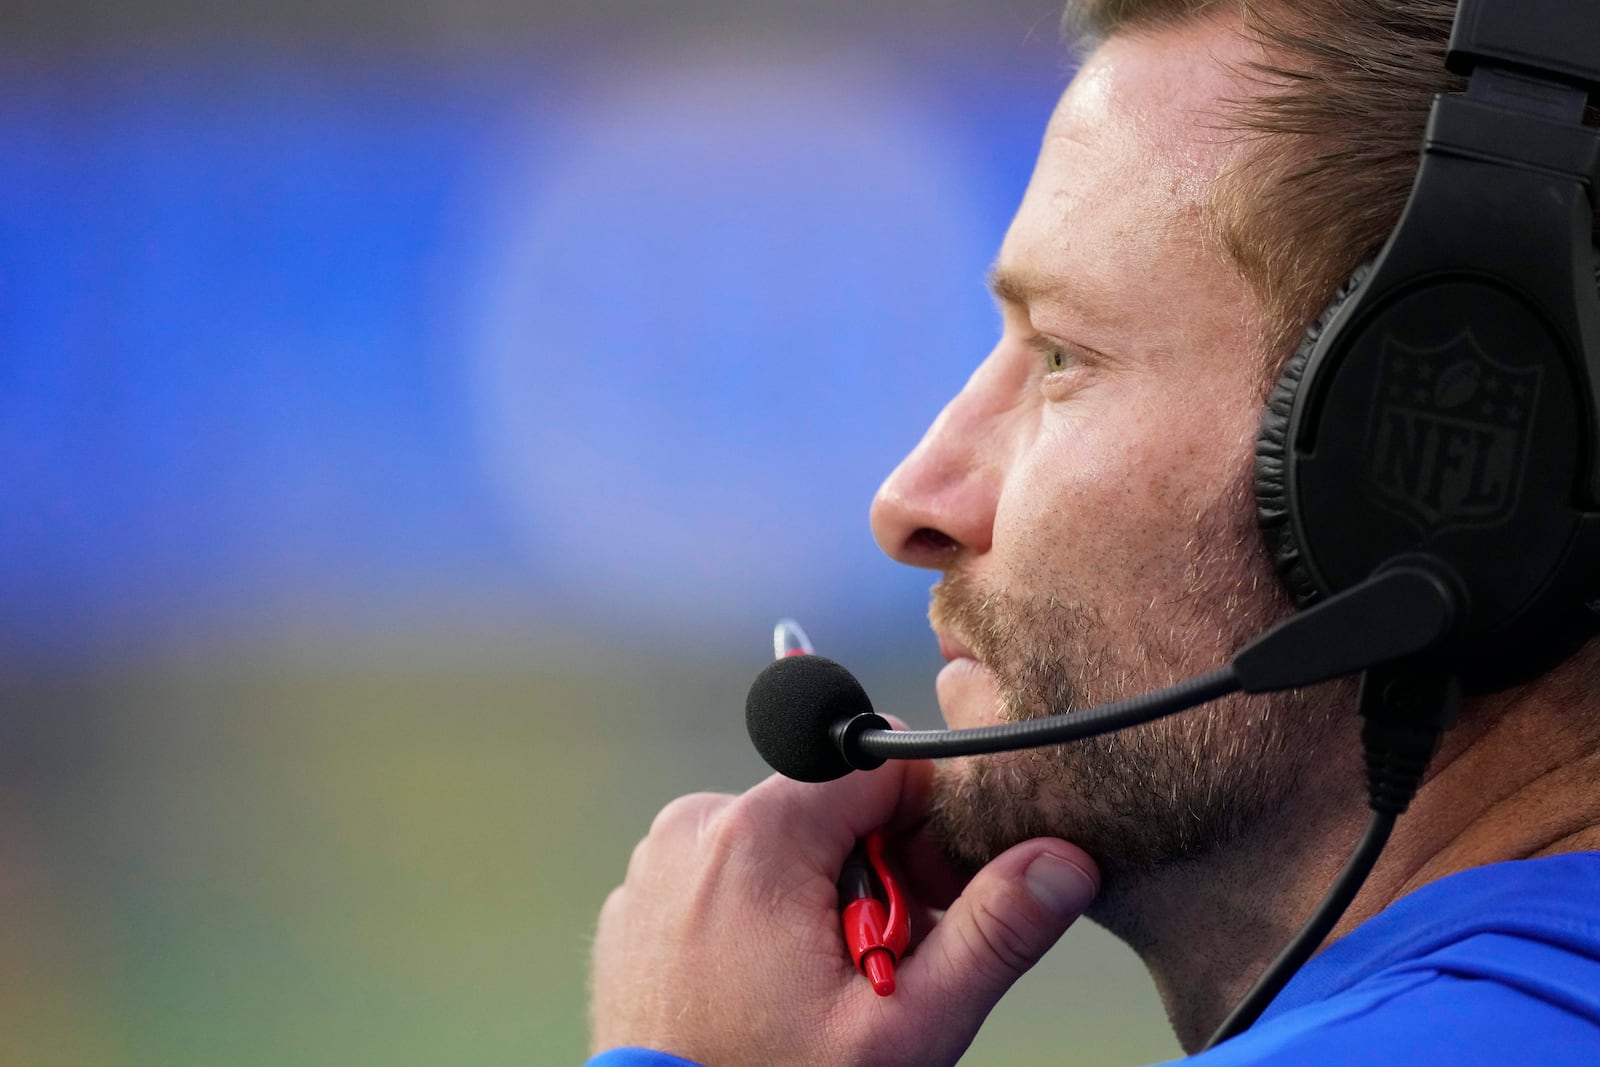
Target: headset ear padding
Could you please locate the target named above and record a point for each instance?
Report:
(1273, 505)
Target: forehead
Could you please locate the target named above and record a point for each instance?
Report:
(1125, 173)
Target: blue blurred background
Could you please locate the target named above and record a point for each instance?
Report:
(412, 419)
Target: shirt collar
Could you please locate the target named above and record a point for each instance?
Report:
(1537, 898)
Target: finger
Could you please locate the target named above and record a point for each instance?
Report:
(823, 820)
(925, 868)
(686, 812)
(909, 817)
(680, 821)
(1008, 916)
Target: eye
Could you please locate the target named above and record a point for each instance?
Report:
(1057, 357)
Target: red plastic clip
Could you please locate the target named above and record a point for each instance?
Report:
(877, 936)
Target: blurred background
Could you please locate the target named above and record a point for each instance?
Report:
(413, 417)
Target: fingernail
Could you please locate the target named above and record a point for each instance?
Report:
(1064, 888)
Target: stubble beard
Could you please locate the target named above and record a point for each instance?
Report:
(1145, 798)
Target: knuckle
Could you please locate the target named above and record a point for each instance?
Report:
(678, 830)
(611, 929)
(612, 908)
(1007, 943)
(731, 827)
(689, 810)
(638, 858)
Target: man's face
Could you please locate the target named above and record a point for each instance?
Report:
(1087, 492)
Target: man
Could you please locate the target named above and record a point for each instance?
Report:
(1212, 174)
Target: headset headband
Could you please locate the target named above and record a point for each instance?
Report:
(1554, 37)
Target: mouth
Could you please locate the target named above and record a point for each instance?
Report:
(967, 691)
(952, 647)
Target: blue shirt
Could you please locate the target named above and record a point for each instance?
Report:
(1495, 965)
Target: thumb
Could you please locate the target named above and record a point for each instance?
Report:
(1003, 922)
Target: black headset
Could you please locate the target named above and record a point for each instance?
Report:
(1446, 406)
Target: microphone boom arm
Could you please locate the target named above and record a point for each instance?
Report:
(1402, 611)
(1057, 729)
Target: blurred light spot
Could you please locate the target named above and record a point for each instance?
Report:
(729, 295)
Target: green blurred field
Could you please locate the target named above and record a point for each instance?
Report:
(389, 855)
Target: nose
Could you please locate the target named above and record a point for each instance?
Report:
(940, 501)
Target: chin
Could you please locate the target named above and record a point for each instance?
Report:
(983, 805)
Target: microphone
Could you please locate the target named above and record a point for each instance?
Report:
(812, 721)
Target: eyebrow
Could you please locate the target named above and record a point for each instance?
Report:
(1021, 288)
(1014, 287)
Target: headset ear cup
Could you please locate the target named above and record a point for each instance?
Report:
(1274, 507)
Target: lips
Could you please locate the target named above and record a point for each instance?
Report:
(968, 693)
(952, 648)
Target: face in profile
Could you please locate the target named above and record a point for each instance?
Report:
(1087, 494)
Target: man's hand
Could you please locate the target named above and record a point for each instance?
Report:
(723, 945)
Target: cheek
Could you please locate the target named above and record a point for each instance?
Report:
(1112, 503)
(1076, 508)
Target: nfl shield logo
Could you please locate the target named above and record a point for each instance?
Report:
(1448, 441)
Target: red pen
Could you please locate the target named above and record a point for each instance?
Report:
(876, 935)
(876, 926)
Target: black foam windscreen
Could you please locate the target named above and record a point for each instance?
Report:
(792, 707)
